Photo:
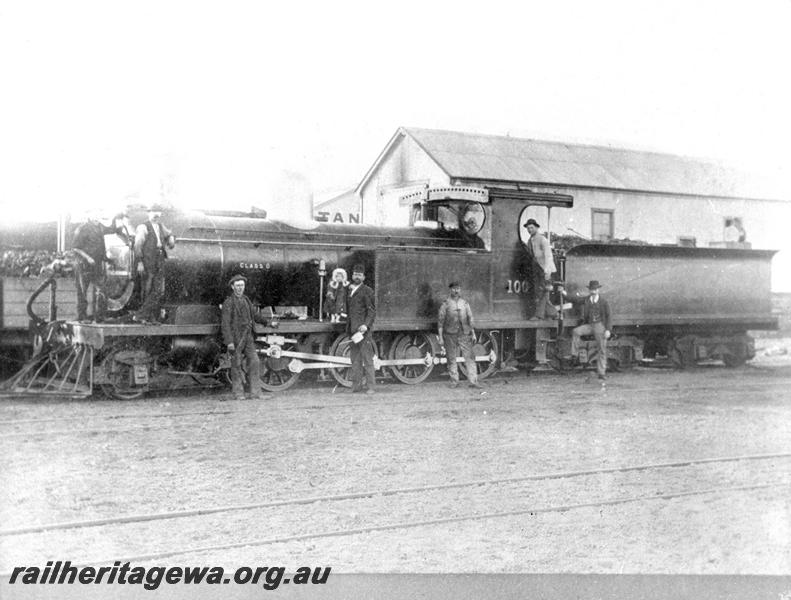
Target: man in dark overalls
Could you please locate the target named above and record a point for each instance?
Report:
(238, 333)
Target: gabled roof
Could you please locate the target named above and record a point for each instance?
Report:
(468, 156)
(342, 197)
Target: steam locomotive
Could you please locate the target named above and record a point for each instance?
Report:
(685, 304)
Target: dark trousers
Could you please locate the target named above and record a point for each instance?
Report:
(153, 287)
(363, 372)
(463, 342)
(245, 350)
(87, 276)
(540, 292)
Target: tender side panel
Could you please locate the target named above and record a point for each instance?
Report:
(664, 285)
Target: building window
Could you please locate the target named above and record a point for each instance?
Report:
(602, 224)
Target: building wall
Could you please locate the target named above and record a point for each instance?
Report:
(406, 168)
(344, 209)
(653, 218)
(662, 219)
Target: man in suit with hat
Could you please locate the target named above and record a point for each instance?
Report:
(238, 334)
(361, 311)
(542, 265)
(152, 241)
(596, 320)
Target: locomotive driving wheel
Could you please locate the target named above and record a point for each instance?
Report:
(341, 347)
(485, 345)
(274, 372)
(413, 345)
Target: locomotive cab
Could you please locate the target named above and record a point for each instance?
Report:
(463, 211)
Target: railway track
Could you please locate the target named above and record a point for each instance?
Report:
(503, 498)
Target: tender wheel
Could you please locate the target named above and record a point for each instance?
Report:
(485, 344)
(413, 345)
(342, 347)
(274, 373)
(118, 366)
(734, 360)
(555, 357)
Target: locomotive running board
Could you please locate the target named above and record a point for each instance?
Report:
(63, 372)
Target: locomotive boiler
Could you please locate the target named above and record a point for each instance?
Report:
(683, 303)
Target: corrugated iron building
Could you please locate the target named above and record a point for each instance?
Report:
(648, 196)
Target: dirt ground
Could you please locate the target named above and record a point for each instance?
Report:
(70, 460)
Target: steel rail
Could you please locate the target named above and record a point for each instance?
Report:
(386, 492)
(431, 522)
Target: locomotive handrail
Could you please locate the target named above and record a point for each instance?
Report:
(332, 245)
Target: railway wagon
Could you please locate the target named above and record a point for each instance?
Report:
(684, 303)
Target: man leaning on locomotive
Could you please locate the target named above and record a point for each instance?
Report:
(542, 265)
(596, 321)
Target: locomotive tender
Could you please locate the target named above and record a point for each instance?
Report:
(683, 303)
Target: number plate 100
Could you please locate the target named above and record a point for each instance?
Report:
(516, 286)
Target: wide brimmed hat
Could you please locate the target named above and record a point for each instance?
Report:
(531, 222)
(593, 285)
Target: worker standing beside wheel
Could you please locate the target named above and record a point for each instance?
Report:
(361, 311)
(238, 319)
(456, 330)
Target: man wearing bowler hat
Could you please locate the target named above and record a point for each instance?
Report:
(361, 311)
(456, 330)
(596, 320)
(542, 265)
(238, 333)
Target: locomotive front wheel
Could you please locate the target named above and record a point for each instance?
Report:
(410, 346)
(121, 376)
(485, 344)
(274, 373)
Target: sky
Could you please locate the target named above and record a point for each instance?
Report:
(223, 104)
